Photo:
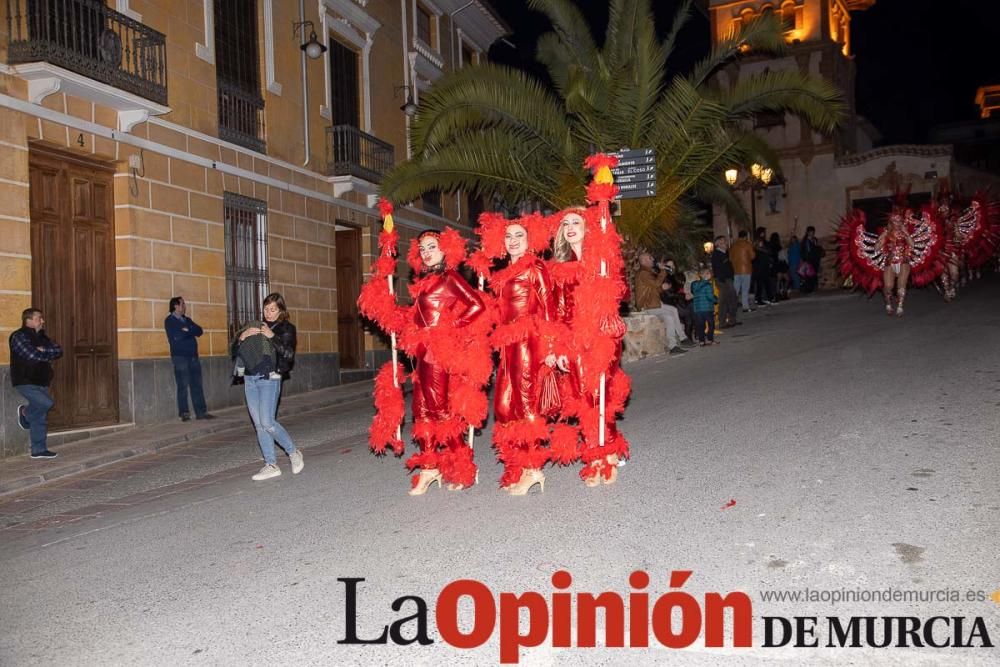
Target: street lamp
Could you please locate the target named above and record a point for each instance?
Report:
(409, 107)
(313, 48)
(758, 179)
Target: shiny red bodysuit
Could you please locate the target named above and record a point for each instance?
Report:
(524, 300)
(441, 296)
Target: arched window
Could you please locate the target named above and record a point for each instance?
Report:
(788, 17)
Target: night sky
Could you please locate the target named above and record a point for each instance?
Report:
(919, 62)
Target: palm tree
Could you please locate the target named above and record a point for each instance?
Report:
(495, 130)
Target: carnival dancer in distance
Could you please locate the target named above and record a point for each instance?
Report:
(972, 236)
(445, 331)
(908, 249)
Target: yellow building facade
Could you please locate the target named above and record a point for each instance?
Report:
(150, 149)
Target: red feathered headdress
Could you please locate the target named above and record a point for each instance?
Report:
(452, 245)
(493, 228)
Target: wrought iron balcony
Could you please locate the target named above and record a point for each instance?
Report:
(241, 116)
(87, 37)
(351, 152)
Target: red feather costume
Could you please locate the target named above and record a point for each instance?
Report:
(908, 239)
(525, 315)
(594, 330)
(445, 331)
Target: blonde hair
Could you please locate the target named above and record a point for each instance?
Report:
(561, 249)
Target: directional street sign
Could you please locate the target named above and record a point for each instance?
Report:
(635, 174)
(635, 161)
(635, 178)
(636, 194)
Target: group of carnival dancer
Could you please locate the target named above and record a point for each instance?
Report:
(919, 247)
(553, 324)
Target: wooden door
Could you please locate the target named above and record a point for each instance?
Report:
(350, 341)
(73, 283)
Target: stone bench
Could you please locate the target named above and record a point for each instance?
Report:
(645, 336)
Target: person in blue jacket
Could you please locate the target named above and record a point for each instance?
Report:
(182, 334)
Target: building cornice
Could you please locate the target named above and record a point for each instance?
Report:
(898, 150)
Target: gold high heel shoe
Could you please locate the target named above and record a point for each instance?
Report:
(612, 460)
(427, 477)
(529, 477)
(595, 479)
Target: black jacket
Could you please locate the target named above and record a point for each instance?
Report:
(722, 266)
(284, 343)
(27, 371)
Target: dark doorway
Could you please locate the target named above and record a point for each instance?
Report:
(349, 337)
(877, 208)
(73, 282)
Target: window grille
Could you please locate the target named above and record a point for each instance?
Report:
(424, 26)
(246, 259)
(237, 68)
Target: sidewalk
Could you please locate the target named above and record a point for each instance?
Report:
(22, 472)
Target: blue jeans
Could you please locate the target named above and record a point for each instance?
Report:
(187, 373)
(262, 400)
(742, 284)
(37, 413)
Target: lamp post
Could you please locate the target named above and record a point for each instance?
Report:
(758, 179)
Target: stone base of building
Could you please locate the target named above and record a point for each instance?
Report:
(147, 393)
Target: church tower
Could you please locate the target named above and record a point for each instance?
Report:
(818, 33)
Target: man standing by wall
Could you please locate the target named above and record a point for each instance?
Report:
(31, 354)
(182, 334)
(722, 269)
(742, 254)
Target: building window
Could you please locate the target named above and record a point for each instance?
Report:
(431, 202)
(767, 119)
(789, 17)
(237, 70)
(246, 258)
(468, 55)
(425, 26)
(345, 85)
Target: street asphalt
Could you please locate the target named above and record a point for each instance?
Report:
(821, 446)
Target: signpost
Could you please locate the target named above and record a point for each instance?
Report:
(635, 174)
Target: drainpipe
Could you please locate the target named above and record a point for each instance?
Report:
(406, 73)
(305, 91)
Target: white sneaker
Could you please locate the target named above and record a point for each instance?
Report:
(267, 472)
(297, 463)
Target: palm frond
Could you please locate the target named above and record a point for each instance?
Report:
(762, 35)
(806, 95)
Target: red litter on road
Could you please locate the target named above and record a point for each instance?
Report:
(731, 503)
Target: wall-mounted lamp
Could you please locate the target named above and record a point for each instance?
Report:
(409, 107)
(313, 48)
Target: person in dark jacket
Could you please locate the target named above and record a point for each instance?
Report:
(31, 356)
(722, 269)
(262, 385)
(182, 334)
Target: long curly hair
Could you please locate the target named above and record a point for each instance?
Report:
(561, 249)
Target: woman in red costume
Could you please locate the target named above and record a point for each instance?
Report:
(525, 340)
(896, 244)
(445, 331)
(572, 275)
(443, 303)
(910, 248)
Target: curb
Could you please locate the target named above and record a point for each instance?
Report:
(155, 445)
